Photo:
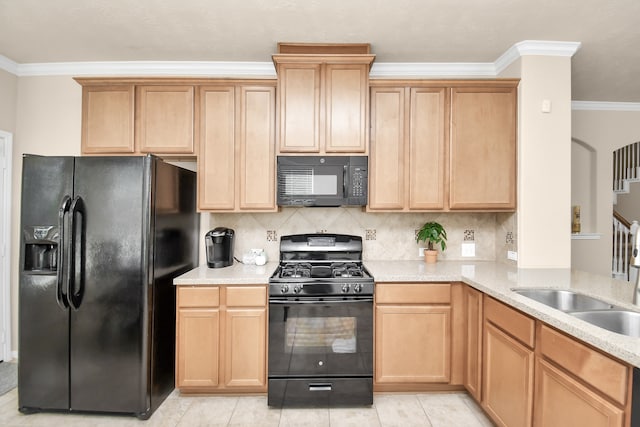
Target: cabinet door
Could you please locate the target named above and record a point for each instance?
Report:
(107, 119)
(245, 347)
(256, 139)
(427, 148)
(563, 401)
(299, 106)
(483, 149)
(346, 108)
(473, 354)
(216, 162)
(413, 344)
(197, 347)
(164, 119)
(387, 159)
(507, 393)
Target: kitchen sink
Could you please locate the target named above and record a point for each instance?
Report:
(564, 300)
(620, 321)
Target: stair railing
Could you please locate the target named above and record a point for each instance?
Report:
(623, 234)
(626, 166)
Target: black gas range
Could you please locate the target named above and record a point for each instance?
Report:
(320, 323)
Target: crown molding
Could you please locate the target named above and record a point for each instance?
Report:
(604, 106)
(8, 65)
(264, 69)
(435, 69)
(150, 68)
(535, 47)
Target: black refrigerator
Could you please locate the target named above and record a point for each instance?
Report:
(102, 240)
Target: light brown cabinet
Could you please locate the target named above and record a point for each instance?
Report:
(577, 385)
(164, 119)
(408, 148)
(507, 365)
(483, 148)
(221, 338)
(323, 103)
(431, 139)
(236, 161)
(473, 305)
(107, 119)
(127, 116)
(414, 336)
(535, 375)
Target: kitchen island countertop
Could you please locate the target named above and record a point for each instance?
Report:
(494, 279)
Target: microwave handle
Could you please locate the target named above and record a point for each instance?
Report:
(345, 181)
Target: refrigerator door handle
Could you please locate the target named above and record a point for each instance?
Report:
(61, 296)
(75, 277)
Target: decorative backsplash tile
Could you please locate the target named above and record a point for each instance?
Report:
(386, 236)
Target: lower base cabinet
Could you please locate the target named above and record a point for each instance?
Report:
(562, 400)
(418, 339)
(533, 374)
(508, 365)
(221, 338)
(578, 385)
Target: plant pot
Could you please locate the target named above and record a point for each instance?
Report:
(430, 257)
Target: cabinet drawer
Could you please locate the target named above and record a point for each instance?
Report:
(199, 296)
(246, 296)
(411, 293)
(519, 325)
(602, 372)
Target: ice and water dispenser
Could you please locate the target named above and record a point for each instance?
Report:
(41, 249)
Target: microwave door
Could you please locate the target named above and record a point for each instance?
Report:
(311, 186)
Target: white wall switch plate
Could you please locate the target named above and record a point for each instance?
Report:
(512, 255)
(421, 252)
(468, 249)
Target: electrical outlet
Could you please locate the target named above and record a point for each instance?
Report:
(468, 249)
(512, 255)
(421, 252)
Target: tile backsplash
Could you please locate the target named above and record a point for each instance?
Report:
(385, 236)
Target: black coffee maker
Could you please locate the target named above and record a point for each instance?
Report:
(219, 244)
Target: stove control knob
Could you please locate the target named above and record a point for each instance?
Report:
(357, 288)
(284, 289)
(345, 288)
(297, 288)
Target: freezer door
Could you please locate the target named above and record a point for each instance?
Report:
(43, 328)
(109, 354)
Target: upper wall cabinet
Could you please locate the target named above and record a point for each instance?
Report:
(236, 160)
(483, 147)
(408, 147)
(164, 119)
(323, 103)
(443, 145)
(123, 116)
(107, 118)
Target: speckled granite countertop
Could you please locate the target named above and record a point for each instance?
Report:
(236, 274)
(497, 280)
(494, 279)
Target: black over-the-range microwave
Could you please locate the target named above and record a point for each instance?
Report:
(322, 180)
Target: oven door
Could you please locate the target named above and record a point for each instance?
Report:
(320, 337)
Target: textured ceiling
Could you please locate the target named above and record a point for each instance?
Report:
(606, 68)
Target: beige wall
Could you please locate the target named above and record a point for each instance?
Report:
(603, 131)
(8, 100)
(544, 161)
(48, 118)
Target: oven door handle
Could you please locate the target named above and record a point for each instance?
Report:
(323, 301)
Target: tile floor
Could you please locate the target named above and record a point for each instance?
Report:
(422, 409)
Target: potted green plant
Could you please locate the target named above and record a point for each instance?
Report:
(432, 233)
